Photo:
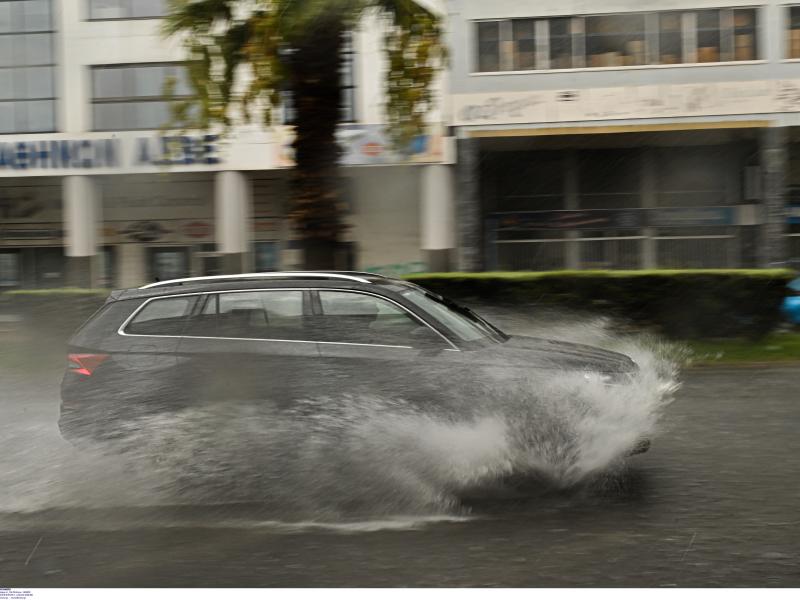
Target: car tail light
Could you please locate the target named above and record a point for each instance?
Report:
(85, 364)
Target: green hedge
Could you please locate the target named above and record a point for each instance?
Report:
(681, 304)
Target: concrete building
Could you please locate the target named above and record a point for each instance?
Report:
(626, 133)
(93, 192)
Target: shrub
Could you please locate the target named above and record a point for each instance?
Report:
(681, 304)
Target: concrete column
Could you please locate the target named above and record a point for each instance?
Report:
(437, 217)
(82, 215)
(649, 199)
(233, 217)
(131, 266)
(572, 201)
(468, 205)
(773, 250)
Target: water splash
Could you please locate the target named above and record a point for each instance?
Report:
(334, 458)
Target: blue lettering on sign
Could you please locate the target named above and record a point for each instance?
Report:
(61, 154)
(105, 153)
(184, 150)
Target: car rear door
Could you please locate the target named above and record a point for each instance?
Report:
(248, 346)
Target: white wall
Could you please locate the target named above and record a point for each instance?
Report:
(83, 43)
(386, 215)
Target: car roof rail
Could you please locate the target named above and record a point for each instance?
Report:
(333, 275)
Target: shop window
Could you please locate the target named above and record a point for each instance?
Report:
(266, 256)
(106, 267)
(101, 10)
(615, 40)
(489, 46)
(524, 44)
(169, 263)
(9, 269)
(27, 67)
(129, 97)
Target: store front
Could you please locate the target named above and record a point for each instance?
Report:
(619, 201)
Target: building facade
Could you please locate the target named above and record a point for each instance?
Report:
(94, 191)
(626, 134)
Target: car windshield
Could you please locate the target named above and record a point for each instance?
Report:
(464, 323)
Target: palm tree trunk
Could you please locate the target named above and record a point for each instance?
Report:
(316, 190)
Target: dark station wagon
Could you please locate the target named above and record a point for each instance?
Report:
(282, 336)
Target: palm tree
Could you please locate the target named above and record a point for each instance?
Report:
(243, 53)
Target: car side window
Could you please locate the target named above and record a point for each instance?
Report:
(350, 317)
(166, 316)
(273, 314)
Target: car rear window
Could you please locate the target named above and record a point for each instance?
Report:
(104, 323)
(165, 316)
(273, 314)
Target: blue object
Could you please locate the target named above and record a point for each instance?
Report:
(791, 304)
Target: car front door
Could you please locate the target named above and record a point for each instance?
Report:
(371, 345)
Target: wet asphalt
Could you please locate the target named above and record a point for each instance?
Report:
(716, 502)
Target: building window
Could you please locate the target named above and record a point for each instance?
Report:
(708, 36)
(128, 97)
(794, 32)
(561, 43)
(744, 34)
(9, 269)
(622, 40)
(104, 10)
(27, 67)
(524, 32)
(615, 40)
(670, 38)
(489, 46)
(348, 81)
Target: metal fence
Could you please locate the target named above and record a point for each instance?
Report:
(698, 252)
(529, 255)
(625, 252)
(610, 252)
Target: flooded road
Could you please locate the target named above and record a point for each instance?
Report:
(714, 503)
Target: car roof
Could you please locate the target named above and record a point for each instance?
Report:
(249, 281)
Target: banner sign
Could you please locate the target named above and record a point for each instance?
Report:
(571, 219)
(628, 102)
(31, 234)
(633, 218)
(371, 145)
(694, 216)
(164, 230)
(108, 153)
